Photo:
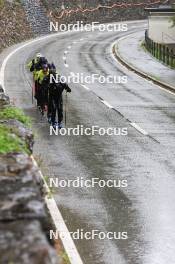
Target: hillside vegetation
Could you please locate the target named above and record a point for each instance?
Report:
(117, 10)
(14, 27)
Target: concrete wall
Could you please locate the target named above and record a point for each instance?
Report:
(160, 28)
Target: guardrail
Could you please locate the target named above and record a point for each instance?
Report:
(160, 51)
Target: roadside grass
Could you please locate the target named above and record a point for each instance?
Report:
(142, 45)
(51, 190)
(1, 3)
(10, 142)
(65, 257)
(156, 77)
(15, 113)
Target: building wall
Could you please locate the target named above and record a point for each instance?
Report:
(160, 28)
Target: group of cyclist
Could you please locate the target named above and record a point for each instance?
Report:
(48, 94)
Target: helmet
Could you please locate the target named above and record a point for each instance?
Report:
(52, 68)
(45, 67)
(39, 55)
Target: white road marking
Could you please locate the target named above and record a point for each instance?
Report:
(60, 225)
(74, 42)
(137, 127)
(167, 91)
(87, 88)
(68, 243)
(64, 58)
(66, 65)
(81, 39)
(66, 51)
(107, 104)
(69, 47)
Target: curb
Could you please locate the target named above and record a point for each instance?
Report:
(144, 75)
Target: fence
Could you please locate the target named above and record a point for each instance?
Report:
(160, 51)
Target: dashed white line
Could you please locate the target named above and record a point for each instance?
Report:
(81, 39)
(74, 42)
(66, 51)
(107, 104)
(138, 128)
(64, 58)
(66, 65)
(69, 47)
(87, 88)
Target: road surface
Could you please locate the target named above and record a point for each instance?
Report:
(145, 157)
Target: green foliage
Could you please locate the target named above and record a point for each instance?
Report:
(15, 113)
(10, 142)
(1, 4)
(172, 20)
(65, 257)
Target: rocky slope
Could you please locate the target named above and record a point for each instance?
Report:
(117, 10)
(14, 27)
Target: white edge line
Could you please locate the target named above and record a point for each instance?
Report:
(107, 104)
(67, 241)
(60, 225)
(138, 128)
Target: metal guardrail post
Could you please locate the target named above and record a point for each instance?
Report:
(171, 58)
(163, 53)
(160, 51)
(167, 56)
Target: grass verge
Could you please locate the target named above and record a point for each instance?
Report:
(10, 142)
(15, 113)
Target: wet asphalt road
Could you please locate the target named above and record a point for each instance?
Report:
(146, 208)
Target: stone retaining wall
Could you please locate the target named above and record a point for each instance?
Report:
(24, 219)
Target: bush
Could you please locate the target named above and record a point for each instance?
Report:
(10, 142)
(15, 113)
(1, 3)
